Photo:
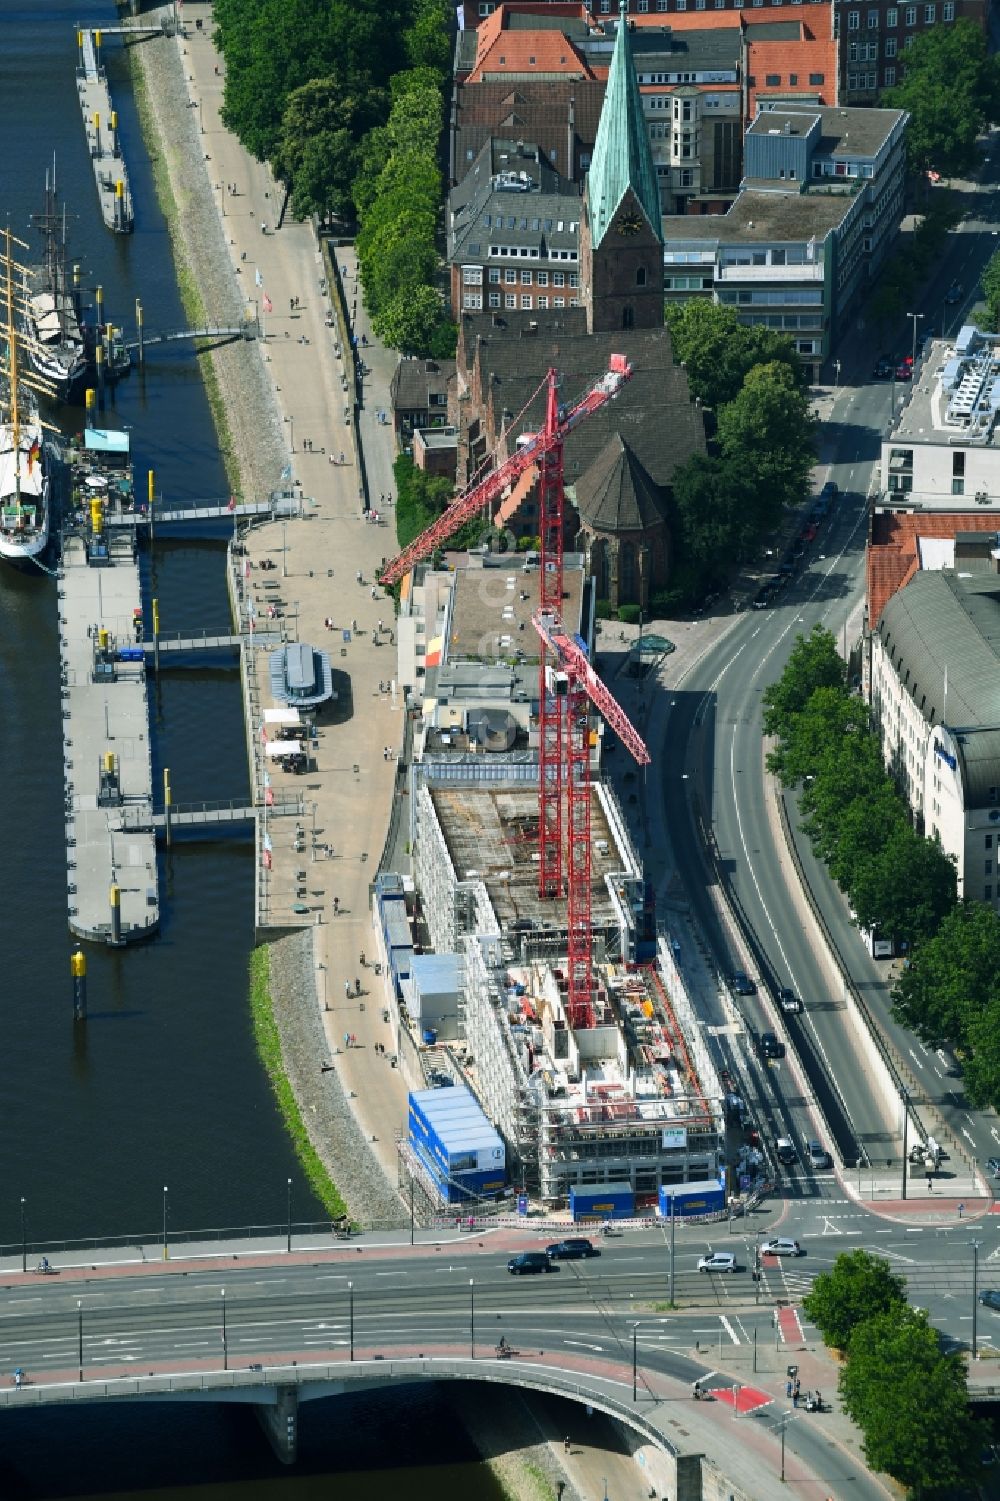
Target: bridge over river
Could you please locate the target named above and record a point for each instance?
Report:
(277, 1325)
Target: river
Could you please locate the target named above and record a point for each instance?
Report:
(162, 1088)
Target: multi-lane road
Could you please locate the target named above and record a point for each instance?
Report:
(714, 779)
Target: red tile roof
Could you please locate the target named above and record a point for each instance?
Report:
(893, 557)
(525, 52)
(800, 60)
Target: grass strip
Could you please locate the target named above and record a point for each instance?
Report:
(187, 285)
(268, 1041)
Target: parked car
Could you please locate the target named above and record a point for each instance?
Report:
(882, 369)
(718, 1261)
(788, 1000)
(770, 1047)
(990, 1299)
(529, 1262)
(785, 1148)
(818, 1155)
(741, 984)
(953, 294)
(782, 1245)
(575, 1248)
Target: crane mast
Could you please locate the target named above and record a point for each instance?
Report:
(567, 685)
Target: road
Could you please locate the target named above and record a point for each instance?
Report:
(714, 779)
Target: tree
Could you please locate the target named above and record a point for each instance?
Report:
(859, 1286)
(911, 1401)
(830, 716)
(409, 320)
(813, 663)
(318, 151)
(428, 39)
(906, 888)
(718, 350)
(990, 283)
(951, 87)
(769, 430)
(713, 506)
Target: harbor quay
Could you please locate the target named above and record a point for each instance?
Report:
(100, 122)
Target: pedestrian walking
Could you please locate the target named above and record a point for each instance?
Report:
(566, 1445)
(342, 459)
(362, 958)
(374, 592)
(358, 575)
(347, 989)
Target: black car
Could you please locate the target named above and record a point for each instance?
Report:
(990, 1299)
(882, 369)
(576, 1248)
(953, 294)
(741, 984)
(529, 1262)
(770, 1047)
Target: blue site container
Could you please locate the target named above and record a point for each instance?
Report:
(604, 1201)
(456, 1143)
(692, 1199)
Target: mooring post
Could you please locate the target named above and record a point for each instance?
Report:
(99, 364)
(115, 899)
(120, 204)
(78, 969)
(139, 332)
(151, 498)
(156, 637)
(166, 805)
(114, 132)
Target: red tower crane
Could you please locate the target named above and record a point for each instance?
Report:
(567, 681)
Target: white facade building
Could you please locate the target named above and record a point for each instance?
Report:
(935, 679)
(943, 450)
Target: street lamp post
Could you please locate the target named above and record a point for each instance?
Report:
(472, 1319)
(350, 1302)
(225, 1346)
(166, 1249)
(411, 1210)
(975, 1299)
(914, 318)
(784, 1425)
(24, 1239)
(79, 1334)
(906, 1109)
(672, 1248)
(288, 1216)
(635, 1332)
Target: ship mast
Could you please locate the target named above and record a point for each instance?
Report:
(15, 421)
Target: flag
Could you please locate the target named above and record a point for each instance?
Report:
(266, 303)
(265, 859)
(232, 503)
(259, 279)
(33, 453)
(268, 796)
(263, 735)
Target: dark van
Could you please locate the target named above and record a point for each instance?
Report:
(528, 1262)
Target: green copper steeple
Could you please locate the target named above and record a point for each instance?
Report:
(622, 157)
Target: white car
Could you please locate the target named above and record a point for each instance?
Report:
(782, 1246)
(718, 1261)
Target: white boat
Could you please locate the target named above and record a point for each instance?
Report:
(24, 488)
(24, 467)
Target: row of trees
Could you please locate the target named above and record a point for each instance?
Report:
(906, 1394)
(857, 821)
(346, 103)
(763, 445)
(951, 87)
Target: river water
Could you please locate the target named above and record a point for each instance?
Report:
(162, 1088)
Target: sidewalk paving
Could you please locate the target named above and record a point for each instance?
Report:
(349, 794)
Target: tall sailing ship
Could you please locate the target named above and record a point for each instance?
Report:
(54, 342)
(24, 451)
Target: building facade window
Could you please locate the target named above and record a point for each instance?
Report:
(472, 300)
(510, 277)
(543, 303)
(495, 275)
(472, 276)
(910, 15)
(494, 299)
(526, 300)
(948, 11)
(873, 19)
(543, 278)
(854, 20)
(510, 299)
(558, 278)
(930, 14)
(891, 16)
(890, 46)
(526, 278)
(890, 77)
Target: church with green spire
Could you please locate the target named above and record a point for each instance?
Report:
(621, 236)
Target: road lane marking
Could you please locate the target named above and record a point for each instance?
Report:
(583, 1345)
(729, 1329)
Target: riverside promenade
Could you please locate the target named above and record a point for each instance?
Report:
(349, 792)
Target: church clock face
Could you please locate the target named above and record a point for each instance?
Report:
(629, 224)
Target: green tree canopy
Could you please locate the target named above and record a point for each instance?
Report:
(813, 663)
(318, 151)
(906, 888)
(990, 282)
(950, 992)
(951, 87)
(769, 431)
(714, 509)
(718, 350)
(911, 1402)
(858, 1286)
